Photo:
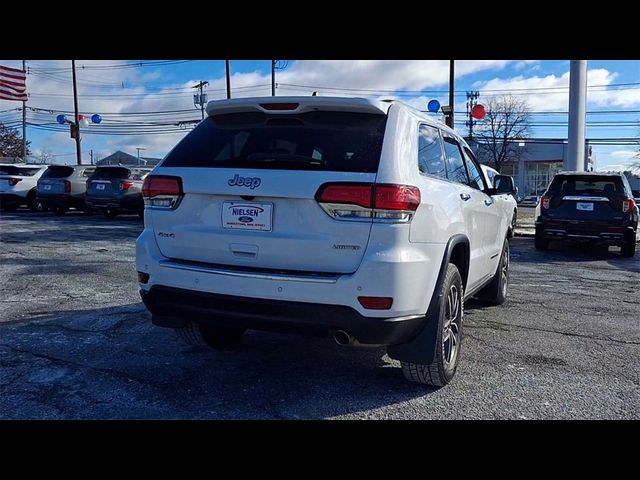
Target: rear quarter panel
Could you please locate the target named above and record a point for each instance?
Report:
(439, 216)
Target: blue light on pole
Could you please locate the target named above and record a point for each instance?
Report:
(433, 106)
(95, 118)
(61, 119)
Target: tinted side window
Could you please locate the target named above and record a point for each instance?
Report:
(455, 164)
(430, 158)
(475, 175)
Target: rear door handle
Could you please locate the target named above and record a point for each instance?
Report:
(465, 196)
(489, 202)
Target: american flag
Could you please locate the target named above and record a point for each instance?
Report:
(13, 84)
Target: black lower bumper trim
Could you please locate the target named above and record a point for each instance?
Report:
(170, 307)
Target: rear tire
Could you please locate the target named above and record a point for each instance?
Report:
(496, 292)
(541, 243)
(218, 338)
(32, 202)
(450, 313)
(628, 249)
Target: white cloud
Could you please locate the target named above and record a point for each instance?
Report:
(551, 93)
(624, 153)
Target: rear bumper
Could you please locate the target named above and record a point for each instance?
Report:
(59, 200)
(585, 231)
(131, 203)
(6, 198)
(171, 306)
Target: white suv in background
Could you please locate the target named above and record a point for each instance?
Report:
(18, 184)
(349, 217)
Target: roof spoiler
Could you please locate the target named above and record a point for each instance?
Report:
(289, 105)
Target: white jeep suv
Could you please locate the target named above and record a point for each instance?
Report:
(349, 217)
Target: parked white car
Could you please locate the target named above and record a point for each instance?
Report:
(349, 217)
(18, 185)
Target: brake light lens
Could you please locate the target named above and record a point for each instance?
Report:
(545, 201)
(345, 193)
(67, 186)
(279, 106)
(376, 303)
(628, 205)
(162, 191)
(126, 185)
(363, 201)
(14, 181)
(396, 197)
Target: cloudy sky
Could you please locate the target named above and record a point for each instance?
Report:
(148, 104)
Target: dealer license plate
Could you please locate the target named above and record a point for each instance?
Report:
(247, 215)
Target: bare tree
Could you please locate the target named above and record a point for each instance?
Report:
(506, 122)
(46, 155)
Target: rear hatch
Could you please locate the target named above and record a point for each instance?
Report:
(586, 199)
(11, 177)
(107, 181)
(53, 180)
(250, 180)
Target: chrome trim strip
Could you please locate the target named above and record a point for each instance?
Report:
(261, 276)
(585, 199)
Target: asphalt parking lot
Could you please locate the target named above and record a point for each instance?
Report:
(76, 342)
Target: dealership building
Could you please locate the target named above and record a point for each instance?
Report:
(539, 161)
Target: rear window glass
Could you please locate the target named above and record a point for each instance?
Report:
(324, 141)
(587, 185)
(139, 173)
(8, 170)
(19, 171)
(58, 172)
(107, 173)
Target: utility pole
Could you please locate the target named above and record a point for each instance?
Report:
(24, 120)
(91, 154)
(273, 78)
(226, 65)
(200, 99)
(449, 118)
(472, 100)
(138, 149)
(577, 115)
(76, 128)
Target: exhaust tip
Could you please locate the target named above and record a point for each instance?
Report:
(343, 338)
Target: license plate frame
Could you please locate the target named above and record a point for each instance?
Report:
(584, 206)
(247, 216)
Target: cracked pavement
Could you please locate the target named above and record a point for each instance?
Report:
(76, 342)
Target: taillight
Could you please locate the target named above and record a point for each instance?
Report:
(545, 201)
(162, 191)
(126, 185)
(628, 205)
(67, 186)
(376, 303)
(358, 201)
(14, 181)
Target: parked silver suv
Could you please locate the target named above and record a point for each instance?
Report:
(63, 186)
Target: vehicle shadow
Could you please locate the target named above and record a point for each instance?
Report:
(522, 251)
(45, 227)
(112, 363)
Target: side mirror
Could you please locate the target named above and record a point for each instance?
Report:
(503, 184)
